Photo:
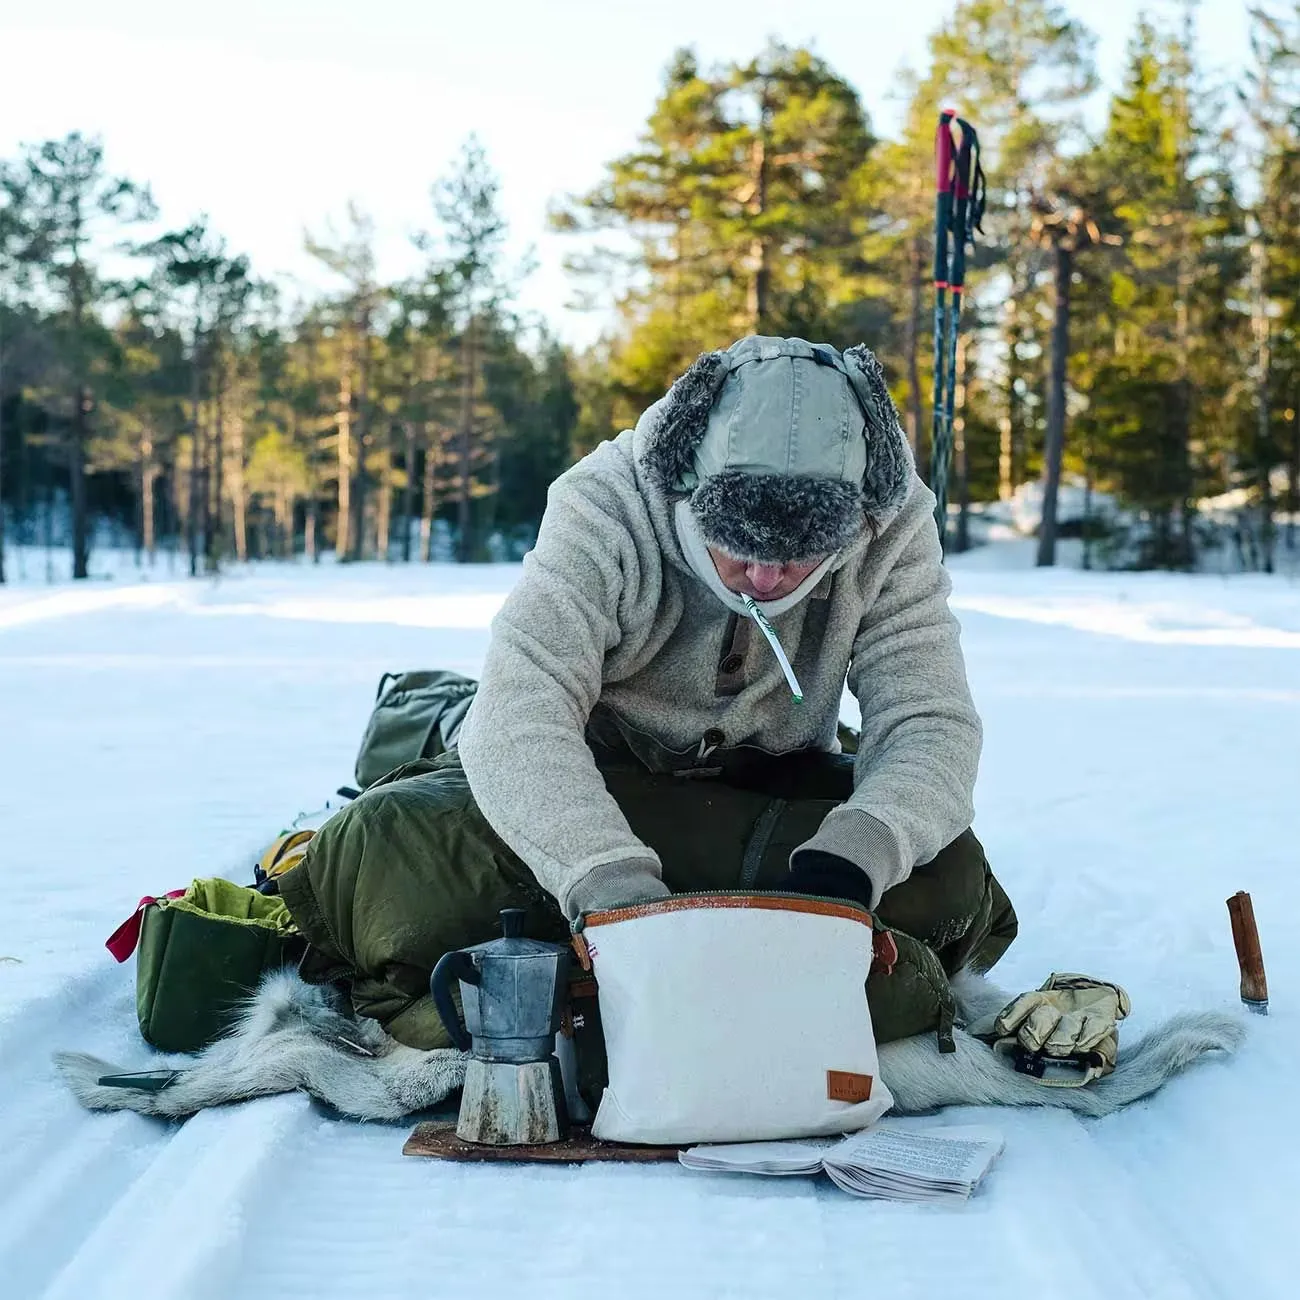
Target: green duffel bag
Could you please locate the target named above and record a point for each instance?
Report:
(202, 951)
(416, 715)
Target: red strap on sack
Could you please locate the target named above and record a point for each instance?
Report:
(122, 942)
(884, 951)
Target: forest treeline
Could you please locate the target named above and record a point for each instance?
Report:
(1148, 270)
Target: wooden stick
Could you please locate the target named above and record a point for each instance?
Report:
(1245, 936)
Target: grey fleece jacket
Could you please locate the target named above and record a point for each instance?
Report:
(610, 612)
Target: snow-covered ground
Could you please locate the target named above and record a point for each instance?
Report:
(1142, 763)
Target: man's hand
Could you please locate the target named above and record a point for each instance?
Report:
(826, 876)
(617, 884)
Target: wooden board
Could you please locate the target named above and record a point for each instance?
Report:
(437, 1138)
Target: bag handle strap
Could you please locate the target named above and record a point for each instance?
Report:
(124, 940)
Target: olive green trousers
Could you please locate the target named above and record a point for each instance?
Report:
(412, 870)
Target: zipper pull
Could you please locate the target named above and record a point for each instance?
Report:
(770, 633)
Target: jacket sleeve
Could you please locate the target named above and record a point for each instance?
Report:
(523, 742)
(914, 776)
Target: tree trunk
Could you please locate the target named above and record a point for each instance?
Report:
(215, 497)
(1087, 514)
(464, 549)
(1293, 471)
(283, 516)
(912, 347)
(192, 512)
(77, 430)
(238, 492)
(2, 452)
(1055, 445)
(408, 494)
(384, 514)
(1263, 443)
(148, 479)
(1183, 411)
(342, 537)
(430, 486)
(357, 538)
(1007, 422)
(309, 531)
(77, 486)
(48, 522)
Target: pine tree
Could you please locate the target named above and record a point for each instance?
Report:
(1271, 96)
(74, 211)
(1166, 334)
(747, 205)
(468, 257)
(355, 321)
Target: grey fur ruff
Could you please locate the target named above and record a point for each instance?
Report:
(292, 1035)
(775, 517)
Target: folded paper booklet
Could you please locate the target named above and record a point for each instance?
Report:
(891, 1162)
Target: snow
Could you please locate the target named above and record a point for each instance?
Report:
(1140, 766)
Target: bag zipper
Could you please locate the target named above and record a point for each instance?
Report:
(577, 926)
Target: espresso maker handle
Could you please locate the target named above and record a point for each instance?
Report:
(452, 966)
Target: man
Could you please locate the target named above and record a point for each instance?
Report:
(659, 705)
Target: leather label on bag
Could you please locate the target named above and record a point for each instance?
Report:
(844, 1085)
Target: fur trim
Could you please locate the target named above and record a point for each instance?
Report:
(290, 1036)
(889, 467)
(669, 457)
(777, 518)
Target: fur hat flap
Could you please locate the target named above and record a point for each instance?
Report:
(668, 456)
(888, 474)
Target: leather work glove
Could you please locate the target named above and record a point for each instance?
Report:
(826, 876)
(1071, 1019)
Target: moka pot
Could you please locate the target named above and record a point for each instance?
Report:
(512, 990)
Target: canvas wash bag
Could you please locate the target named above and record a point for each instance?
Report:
(733, 1017)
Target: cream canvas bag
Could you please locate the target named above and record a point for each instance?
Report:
(734, 1018)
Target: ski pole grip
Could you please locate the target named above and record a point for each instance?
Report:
(1245, 938)
(961, 167)
(943, 153)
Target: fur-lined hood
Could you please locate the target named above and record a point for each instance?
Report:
(785, 450)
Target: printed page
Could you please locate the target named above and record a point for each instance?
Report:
(775, 1158)
(957, 1155)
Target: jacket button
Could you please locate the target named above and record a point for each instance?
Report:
(732, 664)
(713, 738)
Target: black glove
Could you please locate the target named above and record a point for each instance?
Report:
(827, 876)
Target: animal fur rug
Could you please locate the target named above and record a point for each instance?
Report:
(294, 1036)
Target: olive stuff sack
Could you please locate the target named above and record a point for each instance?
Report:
(199, 953)
(416, 715)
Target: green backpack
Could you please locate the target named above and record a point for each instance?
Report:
(416, 715)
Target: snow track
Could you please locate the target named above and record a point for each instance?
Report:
(1136, 773)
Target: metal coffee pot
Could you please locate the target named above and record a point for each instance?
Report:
(513, 992)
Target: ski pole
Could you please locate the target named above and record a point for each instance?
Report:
(965, 214)
(943, 188)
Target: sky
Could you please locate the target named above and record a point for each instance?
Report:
(271, 115)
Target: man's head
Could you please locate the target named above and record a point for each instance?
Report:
(785, 451)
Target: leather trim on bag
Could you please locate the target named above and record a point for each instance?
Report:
(761, 902)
